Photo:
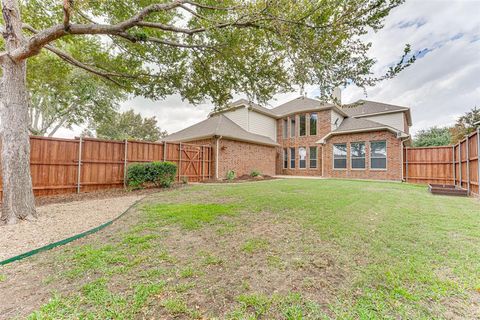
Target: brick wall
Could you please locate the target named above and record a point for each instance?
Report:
(394, 158)
(323, 128)
(242, 157)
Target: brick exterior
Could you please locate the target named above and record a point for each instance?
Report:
(323, 127)
(394, 156)
(241, 157)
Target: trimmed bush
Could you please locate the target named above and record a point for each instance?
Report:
(231, 175)
(254, 173)
(160, 174)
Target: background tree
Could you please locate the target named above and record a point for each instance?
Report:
(62, 95)
(465, 125)
(433, 137)
(198, 49)
(128, 125)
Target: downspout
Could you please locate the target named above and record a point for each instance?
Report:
(217, 155)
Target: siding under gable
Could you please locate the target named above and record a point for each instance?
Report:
(262, 124)
(395, 120)
(239, 116)
(334, 116)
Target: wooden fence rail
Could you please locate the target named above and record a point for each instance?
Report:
(85, 164)
(454, 165)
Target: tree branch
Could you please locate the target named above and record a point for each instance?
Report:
(67, 8)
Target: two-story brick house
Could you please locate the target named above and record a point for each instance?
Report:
(305, 137)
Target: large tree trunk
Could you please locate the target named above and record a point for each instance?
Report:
(18, 199)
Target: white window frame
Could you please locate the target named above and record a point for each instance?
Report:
(299, 159)
(310, 124)
(304, 115)
(333, 156)
(285, 158)
(294, 159)
(285, 128)
(386, 156)
(351, 156)
(292, 130)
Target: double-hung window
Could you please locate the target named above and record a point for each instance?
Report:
(292, 158)
(285, 128)
(303, 125)
(302, 157)
(340, 156)
(378, 155)
(285, 158)
(313, 124)
(292, 127)
(313, 157)
(357, 155)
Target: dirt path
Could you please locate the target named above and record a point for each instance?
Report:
(59, 221)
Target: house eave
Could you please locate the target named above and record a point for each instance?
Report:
(335, 133)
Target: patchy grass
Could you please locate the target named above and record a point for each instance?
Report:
(282, 249)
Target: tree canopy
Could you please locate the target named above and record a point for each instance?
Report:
(465, 125)
(434, 136)
(128, 125)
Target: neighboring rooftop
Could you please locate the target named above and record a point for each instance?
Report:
(218, 125)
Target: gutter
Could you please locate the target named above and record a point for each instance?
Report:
(217, 154)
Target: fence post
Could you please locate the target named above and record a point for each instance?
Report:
(179, 160)
(453, 162)
(478, 160)
(79, 170)
(164, 151)
(468, 165)
(460, 163)
(125, 164)
(203, 163)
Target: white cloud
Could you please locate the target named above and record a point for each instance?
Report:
(443, 84)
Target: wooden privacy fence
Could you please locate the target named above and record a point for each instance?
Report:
(454, 165)
(85, 164)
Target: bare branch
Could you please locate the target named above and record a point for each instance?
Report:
(67, 8)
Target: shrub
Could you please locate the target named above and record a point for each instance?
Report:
(231, 175)
(160, 174)
(254, 173)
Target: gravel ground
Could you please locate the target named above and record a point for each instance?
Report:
(59, 221)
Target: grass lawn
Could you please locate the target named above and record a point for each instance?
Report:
(281, 249)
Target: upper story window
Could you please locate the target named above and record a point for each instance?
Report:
(357, 154)
(340, 156)
(302, 157)
(378, 155)
(313, 124)
(292, 127)
(303, 125)
(285, 128)
(313, 157)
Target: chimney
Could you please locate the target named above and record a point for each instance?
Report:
(337, 95)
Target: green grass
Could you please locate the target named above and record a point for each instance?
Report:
(401, 253)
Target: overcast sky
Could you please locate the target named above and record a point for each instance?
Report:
(443, 83)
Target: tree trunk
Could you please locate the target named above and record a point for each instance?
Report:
(18, 199)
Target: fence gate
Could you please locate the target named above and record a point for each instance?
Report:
(191, 162)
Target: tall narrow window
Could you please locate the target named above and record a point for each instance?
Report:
(313, 124)
(285, 158)
(302, 157)
(292, 158)
(313, 157)
(378, 155)
(303, 125)
(340, 156)
(357, 154)
(292, 126)
(285, 128)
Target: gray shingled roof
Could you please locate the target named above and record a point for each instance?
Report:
(352, 124)
(301, 104)
(365, 107)
(217, 125)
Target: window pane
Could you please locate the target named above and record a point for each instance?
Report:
(292, 127)
(303, 125)
(340, 163)
(292, 158)
(285, 124)
(302, 156)
(358, 163)
(378, 149)
(285, 158)
(313, 157)
(313, 124)
(358, 150)
(378, 163)
(339, 150)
